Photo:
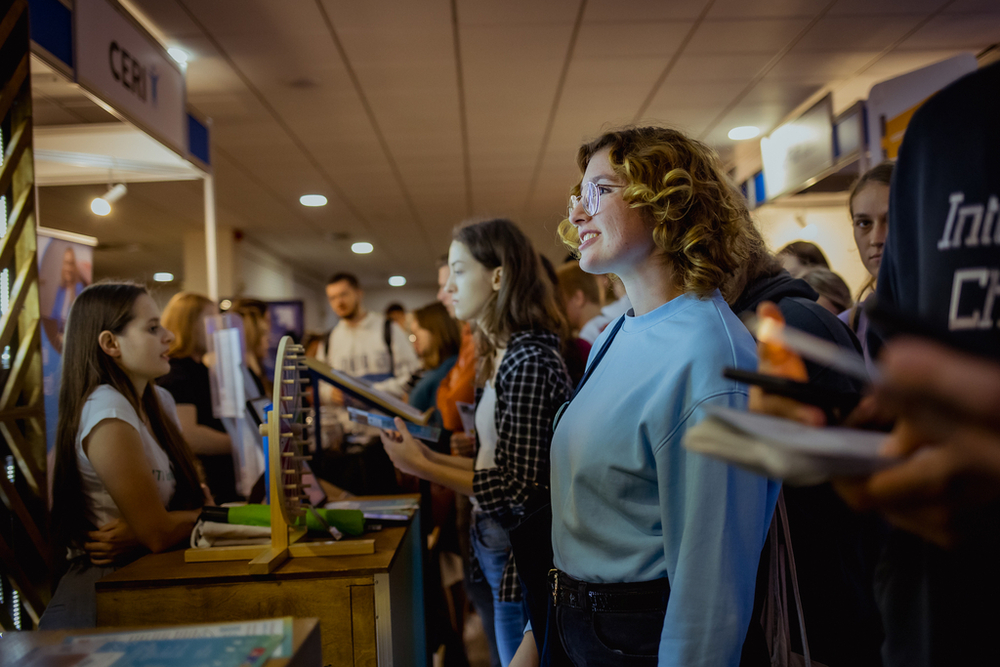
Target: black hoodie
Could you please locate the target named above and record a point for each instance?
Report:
(835, 549)
(797, 302)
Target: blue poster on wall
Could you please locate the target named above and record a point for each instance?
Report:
(287, 318)
(65, 268)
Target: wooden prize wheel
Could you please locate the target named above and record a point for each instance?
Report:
(285, 433)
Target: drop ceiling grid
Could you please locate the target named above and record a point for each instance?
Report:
(961, 31)
(246, 142)
(508, 101)
(867, 9)
(764, 9)
(611, 11)
(512, 54)
(258, 206)
(743, 36)
(513, 13)
(837, 33)
(409, 78)
(242, 44)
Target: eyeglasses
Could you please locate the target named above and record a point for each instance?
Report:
(590, 197)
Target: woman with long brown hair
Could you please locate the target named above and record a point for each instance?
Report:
(438, 338)
(496, 283)
(188, 382)
(125, 480)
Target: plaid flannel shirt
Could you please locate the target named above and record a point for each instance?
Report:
(531, 384)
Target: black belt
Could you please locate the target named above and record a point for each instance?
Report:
(639, 596)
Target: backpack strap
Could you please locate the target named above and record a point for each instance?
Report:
(600, 355)
(590, 370)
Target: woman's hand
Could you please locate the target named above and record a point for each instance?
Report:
(406, 453)
(110, 542)
(463, 444)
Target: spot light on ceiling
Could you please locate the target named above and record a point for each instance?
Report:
(397, 281)
(744, 132)
(362, 248)
(179, 55)
(312, 200)
(102, 205)
(163, 277)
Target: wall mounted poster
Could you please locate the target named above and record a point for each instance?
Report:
(65, 267)
(287, 318)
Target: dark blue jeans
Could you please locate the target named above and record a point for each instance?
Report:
(611, 639)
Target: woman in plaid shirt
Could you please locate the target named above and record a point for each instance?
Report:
(496, 283)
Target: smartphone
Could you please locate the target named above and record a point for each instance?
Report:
(428, 433)
(836, 404)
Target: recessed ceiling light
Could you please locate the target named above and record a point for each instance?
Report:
(163, 277)
(362, 248)
(397, 281)
(744, 132)
(312, 200)
(100, 206)
(225, 304)
(180, 55)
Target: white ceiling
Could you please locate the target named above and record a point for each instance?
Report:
(411, 116)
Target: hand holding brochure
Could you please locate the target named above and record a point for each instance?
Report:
(783, 449)
(428, 433)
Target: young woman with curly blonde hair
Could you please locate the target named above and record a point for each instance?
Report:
(656, 548)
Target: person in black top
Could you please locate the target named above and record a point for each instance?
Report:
(939, 580)
(836, 550)
(189, 384)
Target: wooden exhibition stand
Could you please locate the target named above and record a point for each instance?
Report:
(305, 643)
(370, 607)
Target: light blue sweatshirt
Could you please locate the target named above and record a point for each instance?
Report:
(630, 504)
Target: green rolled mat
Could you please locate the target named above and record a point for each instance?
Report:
(351, 522)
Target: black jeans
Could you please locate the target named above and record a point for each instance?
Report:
(611, 639)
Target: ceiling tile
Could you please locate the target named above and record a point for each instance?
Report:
(883, 7)
(516, 12)
(610, 11)
(839, 33)
(956, 31)
(717, 68)
(740, 9)
(766, 36)
(819, 68)
(633, 39)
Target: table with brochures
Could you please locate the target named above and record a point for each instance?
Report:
(370, 607)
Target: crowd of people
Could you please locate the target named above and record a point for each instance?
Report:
(590, 535)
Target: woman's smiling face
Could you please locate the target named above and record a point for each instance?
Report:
(617, 237)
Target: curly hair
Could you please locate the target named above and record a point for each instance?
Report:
(700, 221)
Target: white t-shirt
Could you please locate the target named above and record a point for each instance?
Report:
(360, 351)
(486, 428)
(106, 402)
